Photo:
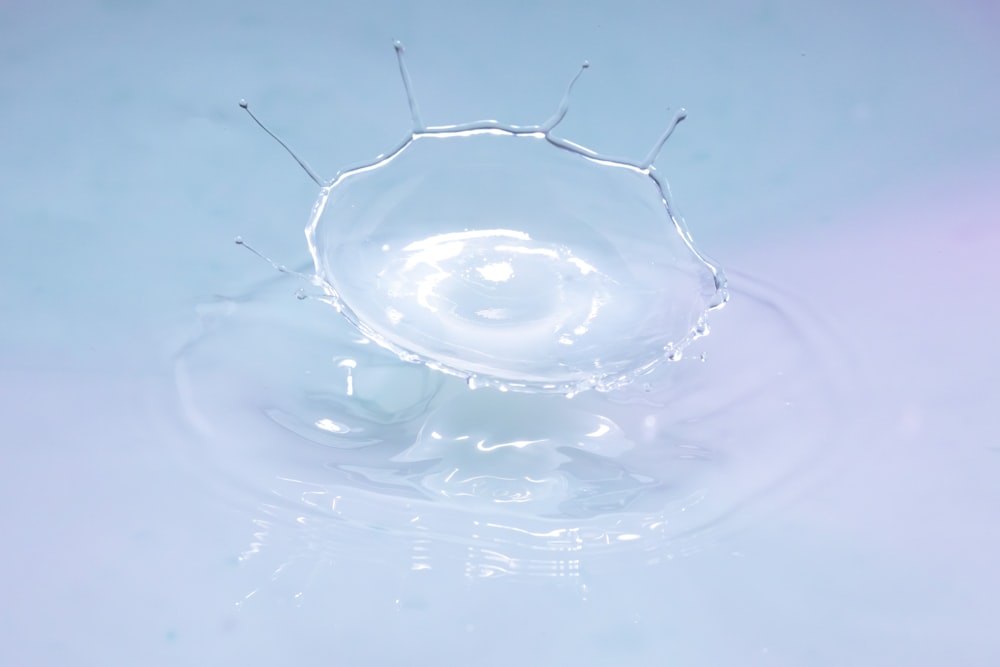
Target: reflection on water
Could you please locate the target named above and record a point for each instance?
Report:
(337, 444)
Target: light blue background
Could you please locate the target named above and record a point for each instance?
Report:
(846, 151)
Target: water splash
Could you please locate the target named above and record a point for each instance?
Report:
(511, 257)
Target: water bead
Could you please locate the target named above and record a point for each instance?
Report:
(512, 257)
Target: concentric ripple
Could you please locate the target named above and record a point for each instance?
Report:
(314, 425)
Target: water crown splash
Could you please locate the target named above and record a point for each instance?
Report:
(511, 257)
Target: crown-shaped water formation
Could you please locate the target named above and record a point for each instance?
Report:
(511, 257)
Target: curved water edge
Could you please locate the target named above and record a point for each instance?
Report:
(330, 440)
(510, 257)
(492, 256)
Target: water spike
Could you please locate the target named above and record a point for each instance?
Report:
(278, 267)
(305, 167)
(564, 103)
(651, 157)
(418, 124)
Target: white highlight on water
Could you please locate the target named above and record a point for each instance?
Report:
(589, 294)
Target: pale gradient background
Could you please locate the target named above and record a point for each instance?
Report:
(847, 151)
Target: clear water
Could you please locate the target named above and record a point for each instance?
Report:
(201, 469)
(510, 257)
(474, 256)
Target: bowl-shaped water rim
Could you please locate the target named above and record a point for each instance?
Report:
(514, 259)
